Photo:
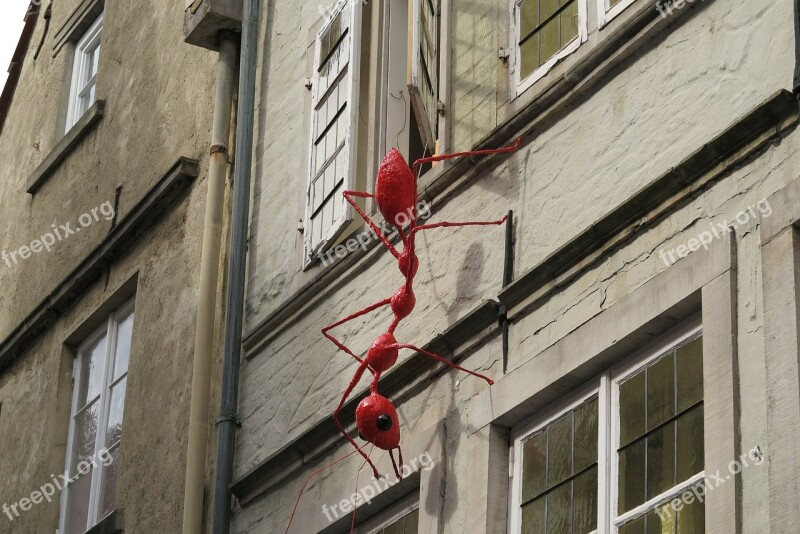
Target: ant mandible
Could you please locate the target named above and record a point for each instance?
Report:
(396, 196)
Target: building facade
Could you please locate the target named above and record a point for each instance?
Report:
(639, 316)
(105, 170)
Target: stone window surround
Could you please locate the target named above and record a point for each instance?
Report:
(81, 18)
(780, 261)
(67, 140)
(604, 388)
(704, 282)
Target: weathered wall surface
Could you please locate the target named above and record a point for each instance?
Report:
(158, 93)
(696, 79)
(639, 123)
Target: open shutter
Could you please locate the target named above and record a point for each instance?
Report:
(332, 156)
(424, 67)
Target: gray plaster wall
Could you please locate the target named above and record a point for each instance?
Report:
(158, 93)
(696, 78)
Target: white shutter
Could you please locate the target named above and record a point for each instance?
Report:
(424, 67)
(332, 151)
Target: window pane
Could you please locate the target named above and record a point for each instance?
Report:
(631, 476)
(585, 436)
(528, 17)
(569, 24)
(91, 372)
(109, 483)
(534, 462)
(123, 346)
(660, 391)
(551, 43)
(584, 512)
(411, 522)
(547, 8)
(664, 522)
(632, 409)
(77, 515)
(690, 443)
(690, 374)
(529, 56)
(85, 436)
(691, 518)
(559, 451)
(558, 509)
(533, 516)
(656, 526)
(661, 460)
(633, 527)
(115, 410)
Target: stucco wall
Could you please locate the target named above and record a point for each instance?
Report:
(158, 93)
(693, 81)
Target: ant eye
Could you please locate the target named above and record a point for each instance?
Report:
(384, 422)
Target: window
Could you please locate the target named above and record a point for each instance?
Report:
(95, 430)
(401, 518)
(545, 32)
(639, 428)
(334, 123)
(385, 73)
(608, 9)
(82, 92)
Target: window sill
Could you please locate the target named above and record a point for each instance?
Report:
(65, 147)
(110, 524)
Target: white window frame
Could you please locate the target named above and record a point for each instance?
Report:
(310, 248)
(109, 329)
(79, 85)
(606, 388)
(401, 508)
(518, 86)
(400, 95)
(606, 14)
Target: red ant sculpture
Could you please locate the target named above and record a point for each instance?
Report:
(396, 196)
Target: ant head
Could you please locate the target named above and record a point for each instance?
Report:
(403, 302)
(396, 190)
(381, 355)
(376, 418)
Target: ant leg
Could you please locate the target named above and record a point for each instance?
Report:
(443, 157)
(451, 224)
(309, 477)
(378, 232)
(355, 315)
(439, 358)
(398, 472)
(346, 394)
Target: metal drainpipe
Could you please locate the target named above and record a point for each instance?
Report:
(207, 290)
(234, 304)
